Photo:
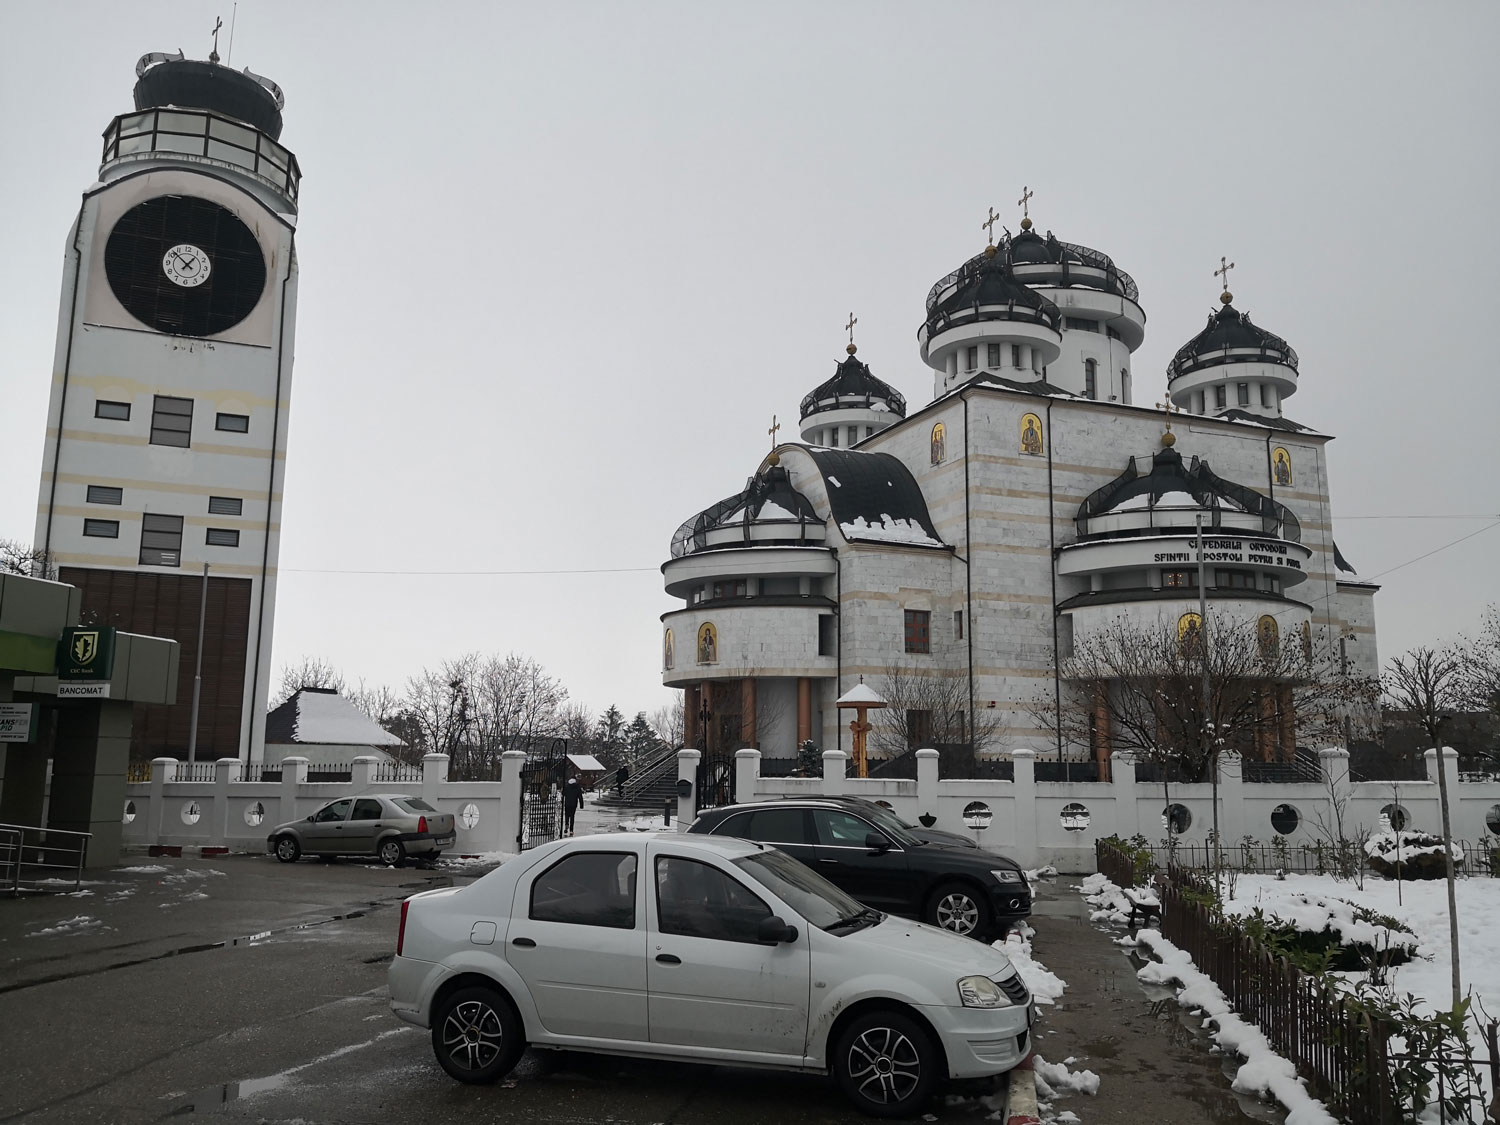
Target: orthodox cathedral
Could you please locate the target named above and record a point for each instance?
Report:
(969, 541)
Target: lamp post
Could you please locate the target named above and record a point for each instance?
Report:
(1210, 734)
(705, 713)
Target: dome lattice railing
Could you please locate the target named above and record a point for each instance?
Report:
(1116, 279)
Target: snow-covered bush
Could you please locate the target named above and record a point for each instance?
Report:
(1317, 933)
(1410, 855)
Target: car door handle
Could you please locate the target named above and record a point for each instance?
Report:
(669, 958)
(833, 861)
(523, 942)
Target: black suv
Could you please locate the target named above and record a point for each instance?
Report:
(965, 890)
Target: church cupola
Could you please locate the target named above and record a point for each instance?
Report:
(1233, 368)
(981, 321)
(851, 406)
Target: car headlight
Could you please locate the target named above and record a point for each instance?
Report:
(981, 992)
(1006, 875)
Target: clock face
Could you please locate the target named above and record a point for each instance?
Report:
(185, 266)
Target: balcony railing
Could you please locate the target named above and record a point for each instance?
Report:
(196, 132)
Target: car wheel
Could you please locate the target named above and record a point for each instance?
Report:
(959, 909)
(391, 853)
(287, 849)
(886, 1064)
(476, 1035)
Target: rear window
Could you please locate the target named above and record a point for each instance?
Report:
(413, 804)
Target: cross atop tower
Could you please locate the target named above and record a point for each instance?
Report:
(1024, 202)
(989, 226)
(1223, 271)
(213, 56)
(775, 425)
(853, 320)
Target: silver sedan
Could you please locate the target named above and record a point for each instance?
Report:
(389, 826)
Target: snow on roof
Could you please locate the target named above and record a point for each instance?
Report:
(585, 762)
(326, 718)
(889, 531)
(860, 693)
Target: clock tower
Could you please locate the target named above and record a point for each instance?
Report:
(171, 387)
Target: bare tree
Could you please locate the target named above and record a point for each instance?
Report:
(667, 721)
(23, 559)
(925, 710)
(1479, 680)
(1429, 683)
(1144, 684)
(516, 705)
(437, 709)
(309, 672)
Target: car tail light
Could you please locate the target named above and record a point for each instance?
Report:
(401, 933)
(422, 825)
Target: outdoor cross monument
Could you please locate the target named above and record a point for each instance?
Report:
(860, 699)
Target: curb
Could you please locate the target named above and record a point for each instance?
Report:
(1020, 1096)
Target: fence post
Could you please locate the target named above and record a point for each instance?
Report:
(225, 771)
(362, 773)
(511, 762)
(687, 770)
(927, 781)
(293, 777)
(834, 762)
(746, 774)
(163, 770)
(1127, 808)
(1231, 802)
(435, 775)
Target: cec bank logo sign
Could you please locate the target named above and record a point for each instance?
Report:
(86, 653)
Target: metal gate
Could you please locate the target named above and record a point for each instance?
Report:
(542, 778)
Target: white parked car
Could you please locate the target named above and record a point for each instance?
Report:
(701, 949)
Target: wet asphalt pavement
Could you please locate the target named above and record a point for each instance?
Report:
(239, 989)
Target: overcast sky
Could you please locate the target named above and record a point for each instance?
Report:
(561, 262)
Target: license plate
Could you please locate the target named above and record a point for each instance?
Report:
(444, 841)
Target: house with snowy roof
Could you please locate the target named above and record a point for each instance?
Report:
(1029, 502)
(325, 728)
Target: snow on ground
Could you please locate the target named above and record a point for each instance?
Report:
(483, 859)
(1045, 986)
(78, 924)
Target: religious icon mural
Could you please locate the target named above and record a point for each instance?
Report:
(1189, 631)
(708, 643)
(1031, 434)
(939, 443)
(1281, 466)
(1269, 635)
(668, 657)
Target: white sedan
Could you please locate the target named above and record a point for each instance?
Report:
(727, 952)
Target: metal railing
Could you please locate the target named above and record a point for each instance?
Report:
(41, 859)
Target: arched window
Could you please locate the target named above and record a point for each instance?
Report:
(1090, 378)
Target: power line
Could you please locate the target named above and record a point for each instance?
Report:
(1481, 516)
(1435, 550)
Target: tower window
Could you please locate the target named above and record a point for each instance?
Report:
(971, 358)
(104, 494)
(828, 637)
(222, 537)
(1175, 578)
(1090, 378)
(234, 423)
(1234, 579)
(992, 355)
(1125, 385)
(102, 529)
(918, 630)
(115, 411)
(225, 506)
(161, 540)
(1078, 324)
(1015, 355)
(869, 430)
(853, 435)
(172, 422)
(1265, 394)
(958, 624)
(1220, 399)
(833, 437)
(1243, 393)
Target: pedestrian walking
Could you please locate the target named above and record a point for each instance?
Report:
(621, 778)
(572, 798)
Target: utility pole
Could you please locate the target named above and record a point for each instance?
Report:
(1210, 735)
(198, 670)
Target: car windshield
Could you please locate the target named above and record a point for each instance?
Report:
(800, 887)
(889, 823)
(414, 804)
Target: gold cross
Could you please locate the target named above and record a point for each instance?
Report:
(1223, 271)
(989, 225)
(218, 23)
(853, 320)
(1026, 194)
(775, 425)
(1169, 407)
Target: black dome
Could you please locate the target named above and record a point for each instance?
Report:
(988, 281)
(1230, 331)
(192, 84)
(1031, 249)
(768, 499)
(853, 385)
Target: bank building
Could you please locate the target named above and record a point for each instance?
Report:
(171, 389)
(969, 540)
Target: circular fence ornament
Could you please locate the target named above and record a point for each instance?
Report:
(255, 812)
(1284, 819)
(977, 814)
(469, 815)
(1176, 819)
(191, 812)
(130, 812)
(1075, 817)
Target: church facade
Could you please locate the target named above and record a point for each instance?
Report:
(963, 547)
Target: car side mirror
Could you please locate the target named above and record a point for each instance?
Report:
(310, 817)
(877, 843)
(773, 931)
